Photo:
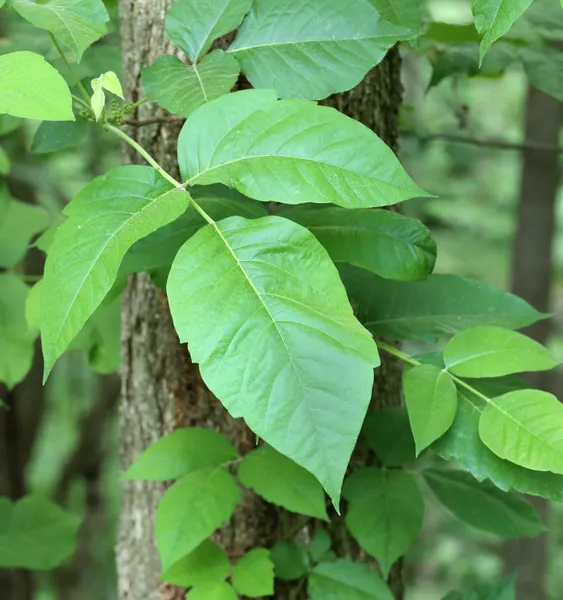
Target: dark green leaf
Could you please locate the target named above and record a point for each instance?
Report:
(388, 433)
(543, 68)
(290, 151)
(290, 560)
(281, 481)
(253, 575)
(320, 544)
(181, 88)
(443, 304)
(345, 580)
(385, 512)
(380, 241)
(191, 510)
(181, 452)
(206, 565)
(309, 410)
(500, 590)
(483, 505)
(55, 135)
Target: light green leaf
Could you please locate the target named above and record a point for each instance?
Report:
(253, 575)
(53, 135)
(543, 68)
(33, 308)
(401, 12)
(106, 81)
(5, 163)
(214, 591)
(493, 18)
(290, 560)
(320, 544)
(308, 392)
(31, 88)
(181, 452)
(194, 26)
(463, 445)
(106, 218)
(281, 481)
(443, 304)
(389, 435)
(160, 248)
(75, 23)
(191, 510)
(505, 589)
(111, 83)
(380, 241)
(206, 565)
(19, 223)
(16, 344)
(345, 580)
(526, 428)
(290, 151)
(431, 399)
(8, 124)
(493, 352)
(181, 88)
(385, 510)
(293, 50)
(483, 505)
(2, 2)
(35, 533)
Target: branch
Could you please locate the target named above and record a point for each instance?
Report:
(496, 144)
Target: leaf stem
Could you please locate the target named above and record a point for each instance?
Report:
(81, 102)
(69, 67)
(412, 361)
(152, 162)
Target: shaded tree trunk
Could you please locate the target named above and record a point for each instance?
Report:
(161, 387)
(532, 280)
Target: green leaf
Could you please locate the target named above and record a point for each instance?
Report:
(16, 344)
(448, 33)
(181, 452)
(401, 12)
(194, 26)
(8, 124)
(443, 304)
(389, 435)
(53, 135)
(264, 362)
(98, 99)
(110, 82)
(385, 512)
(431, 399)
(160, 248)
(493, 352)
(543, 68)
(18, 225)
(380, 241)
(493, 18)
(281, 481)
(290, 151)
(253, 575)
(320, 544)
(525, 428)
(546, 19)
(293, 50)
(463, 445)
(482, 505)
(191, 510)
(2, 2)
(181, 88)
(5, 163)
(206, 565)
(214, 591)
(31, 88)
(505, 589)
(75, 23)
(35, 533)
(290, 560)
(345, 580)
(106, 218)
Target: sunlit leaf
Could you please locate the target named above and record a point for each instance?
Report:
(253, 575)
(213, 591)
(205, 565)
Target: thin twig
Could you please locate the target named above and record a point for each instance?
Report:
(483, 143)
(155, 121)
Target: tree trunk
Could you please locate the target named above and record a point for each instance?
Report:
(532, 280)
(161, 387)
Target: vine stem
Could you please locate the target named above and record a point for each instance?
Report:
(69, 67)
(81, 102)
(412, 361)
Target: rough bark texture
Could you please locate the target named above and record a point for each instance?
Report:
(532, 280)
(161, 388)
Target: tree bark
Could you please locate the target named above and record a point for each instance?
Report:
(532, 280)
(161, 387)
